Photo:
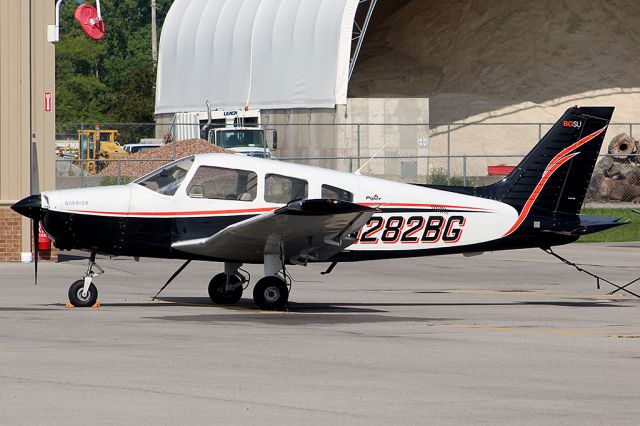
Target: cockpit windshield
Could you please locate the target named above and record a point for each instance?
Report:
(167, 179)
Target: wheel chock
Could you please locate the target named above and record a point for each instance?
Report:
(96, 305)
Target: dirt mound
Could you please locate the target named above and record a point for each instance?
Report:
(143, 162)
(475, 57)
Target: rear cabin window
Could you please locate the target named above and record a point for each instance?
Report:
(335, 193)
(223, 184)
(282, 189)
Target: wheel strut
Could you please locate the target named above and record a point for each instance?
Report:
(90, 274)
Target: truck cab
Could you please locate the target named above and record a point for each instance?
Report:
(243, 140)
(236, 130)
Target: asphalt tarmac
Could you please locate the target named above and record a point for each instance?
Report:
(503, 338)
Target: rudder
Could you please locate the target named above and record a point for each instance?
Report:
(553, 178)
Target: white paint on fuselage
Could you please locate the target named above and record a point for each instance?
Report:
(484, 219)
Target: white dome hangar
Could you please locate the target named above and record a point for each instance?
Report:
(267, 54)
(288, 61)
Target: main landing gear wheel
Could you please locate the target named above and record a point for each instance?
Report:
(78, 300)
(271, 293)
(219, 293)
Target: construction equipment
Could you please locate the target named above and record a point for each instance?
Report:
(96, 146)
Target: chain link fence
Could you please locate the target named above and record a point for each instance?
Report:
(448, 154)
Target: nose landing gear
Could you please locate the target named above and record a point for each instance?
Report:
(83, 293)
(81, 299)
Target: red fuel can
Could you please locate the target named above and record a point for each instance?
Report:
(44, 242)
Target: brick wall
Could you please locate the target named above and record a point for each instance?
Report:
(11, 235)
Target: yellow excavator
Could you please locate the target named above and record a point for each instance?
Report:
(96, 145)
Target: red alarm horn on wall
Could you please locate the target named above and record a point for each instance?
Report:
(90, 20)
(89, 17)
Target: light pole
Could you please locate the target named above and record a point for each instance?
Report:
(154, 38)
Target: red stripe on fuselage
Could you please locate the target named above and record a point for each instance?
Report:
(435, 206)
(260, 210)
(187, 213)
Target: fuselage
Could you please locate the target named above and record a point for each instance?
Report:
(208, 192)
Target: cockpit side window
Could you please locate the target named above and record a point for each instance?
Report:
(220, 183)
(282, 189)
(167, 179)
(335, 193)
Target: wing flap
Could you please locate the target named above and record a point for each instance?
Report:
(302, 231)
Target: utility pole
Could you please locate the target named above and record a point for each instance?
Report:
(154, 38)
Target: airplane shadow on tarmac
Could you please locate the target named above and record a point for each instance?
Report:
(318, 313)
(341, 313)
(339, 307)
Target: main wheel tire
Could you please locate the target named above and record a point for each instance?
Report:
(76, 298)
(218, 292)
(271, 293)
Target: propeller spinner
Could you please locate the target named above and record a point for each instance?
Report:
(31, 207)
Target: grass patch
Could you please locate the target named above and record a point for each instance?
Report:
(630, 232)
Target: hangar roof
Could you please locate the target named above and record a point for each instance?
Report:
(261, 53)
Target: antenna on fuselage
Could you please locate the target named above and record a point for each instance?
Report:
(357, 172)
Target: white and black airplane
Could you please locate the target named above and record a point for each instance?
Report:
(237, 209)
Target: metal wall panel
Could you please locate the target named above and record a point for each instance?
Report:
(27, 71)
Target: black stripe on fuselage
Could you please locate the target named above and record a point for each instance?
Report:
(520, 241)
(129, 235)
(153, 236)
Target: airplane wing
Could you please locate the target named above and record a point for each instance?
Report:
(302, 231)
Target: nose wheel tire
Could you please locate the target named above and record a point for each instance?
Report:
(78, 300)
(218, 292)
(271, 293)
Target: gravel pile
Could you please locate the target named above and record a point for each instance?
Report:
(142, 163)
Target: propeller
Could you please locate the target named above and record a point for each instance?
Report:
(35, 219)
(31, 206)
(36, 249)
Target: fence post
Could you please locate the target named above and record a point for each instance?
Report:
(84, 163)
(358, 142)
(174, 149)
(464, 170)
(539, 131)
(118, 179)
(350, 164)
(448, 153)
(631, 130)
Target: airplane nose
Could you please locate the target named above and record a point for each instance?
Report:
(29, 206)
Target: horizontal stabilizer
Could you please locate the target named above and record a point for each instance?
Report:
(588, 225)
